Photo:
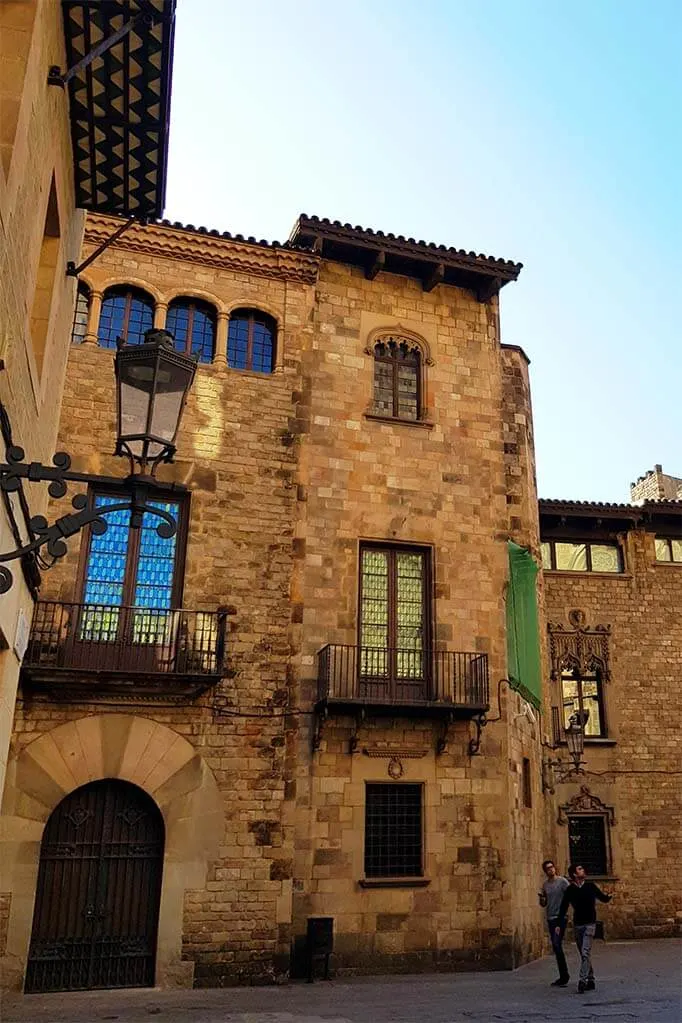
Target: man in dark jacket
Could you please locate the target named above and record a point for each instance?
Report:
(582, 895)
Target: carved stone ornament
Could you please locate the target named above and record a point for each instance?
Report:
(579, 649)
(399, 334)
(395, 768)
(585, 803)
(394, 752)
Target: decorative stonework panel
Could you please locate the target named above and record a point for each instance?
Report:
(580, 649)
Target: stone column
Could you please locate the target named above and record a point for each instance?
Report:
(160, 312)
(94, 310)
(220, 356)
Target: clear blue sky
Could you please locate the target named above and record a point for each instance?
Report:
(535, 130)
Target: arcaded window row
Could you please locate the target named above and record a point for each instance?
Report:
(127, 312)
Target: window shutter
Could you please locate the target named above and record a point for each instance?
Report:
(523, 639)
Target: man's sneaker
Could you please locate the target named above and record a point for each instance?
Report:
(560, 982)
(590, 986)
(581, 988)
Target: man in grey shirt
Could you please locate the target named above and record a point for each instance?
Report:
(550, 895)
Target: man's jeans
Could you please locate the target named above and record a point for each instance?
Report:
(556, 940)
(584, 936)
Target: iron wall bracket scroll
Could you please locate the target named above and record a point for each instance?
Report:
(53, 537)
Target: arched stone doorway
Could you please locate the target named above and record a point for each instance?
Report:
(133, 749)
(96, 913)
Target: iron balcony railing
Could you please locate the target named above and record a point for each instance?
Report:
(412, 677)
(130, 640)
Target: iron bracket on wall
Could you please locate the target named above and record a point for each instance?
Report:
(75, 271)
(475, 743)
(354, 739)
(321, 715)
(443, 738)
(56, 77)
(53, 537)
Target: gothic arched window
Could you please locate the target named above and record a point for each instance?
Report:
(397, 379)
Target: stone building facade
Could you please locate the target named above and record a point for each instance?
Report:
(612, 589)
(355, 456)
(54, 164)
(40, 230)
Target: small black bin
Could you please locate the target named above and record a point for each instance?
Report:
(319, 942)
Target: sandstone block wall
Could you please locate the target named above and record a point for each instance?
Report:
(35, 156)
(638, 771)
(287, 475)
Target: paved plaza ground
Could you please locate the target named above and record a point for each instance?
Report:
(637, 982)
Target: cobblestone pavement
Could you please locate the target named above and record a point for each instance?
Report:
(638, 982)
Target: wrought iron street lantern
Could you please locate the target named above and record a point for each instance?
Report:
(574, 733)
(153, 381)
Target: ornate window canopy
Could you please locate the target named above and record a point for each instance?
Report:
(585, 804)
(578, 648)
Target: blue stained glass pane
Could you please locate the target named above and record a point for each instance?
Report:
(156, 562)
(105, 571)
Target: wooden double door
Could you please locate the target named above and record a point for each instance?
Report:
(99, 886)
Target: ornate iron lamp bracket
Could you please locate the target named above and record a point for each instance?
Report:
(53, 537)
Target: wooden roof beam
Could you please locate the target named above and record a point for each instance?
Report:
(375, 265)
(437, 276)
(488, 288)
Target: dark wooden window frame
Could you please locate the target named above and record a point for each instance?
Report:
(129, 292)
(253, 316)
(395, 389)
(195, 305)
(587, 544)
(134, 547)
(376, 874)
(579, 680)
(427, 587)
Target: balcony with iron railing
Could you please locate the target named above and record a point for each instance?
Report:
(89, 650)
(423, 682)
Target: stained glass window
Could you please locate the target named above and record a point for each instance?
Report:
(127, 313)
(392, 612)
(397, 369)
(251, 341)
(128, 567)
(668, 549)
(193, 325)
(80, 316)
(572, 556)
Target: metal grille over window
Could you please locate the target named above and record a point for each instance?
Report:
(397, 371)
(393, 831)
(80, 316)
(193, 325)
(587, 843)
(251, 341)
(127, 313)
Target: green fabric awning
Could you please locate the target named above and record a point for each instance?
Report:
(523, 635)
